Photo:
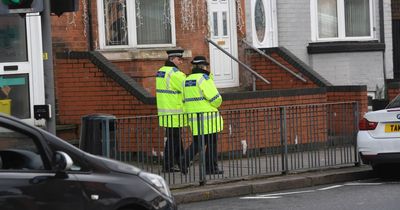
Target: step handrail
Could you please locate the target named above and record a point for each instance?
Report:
(275, 61)
(254, 73)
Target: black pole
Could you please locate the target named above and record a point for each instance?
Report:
(382, 40)
(48, 65)
(89, 27)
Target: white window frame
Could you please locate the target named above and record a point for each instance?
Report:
(341, 23)
(131, 21)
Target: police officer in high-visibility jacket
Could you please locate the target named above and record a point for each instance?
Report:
(169, 98)
(201, 102)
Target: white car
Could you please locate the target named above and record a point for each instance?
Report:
(378, 138)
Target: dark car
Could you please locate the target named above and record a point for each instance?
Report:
(40, 171)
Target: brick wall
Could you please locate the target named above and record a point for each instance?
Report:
(251, 117)
(144, 71)
(260, 125)
(349, 93)
(70, 32)
(82, 89)
(77, 26)
(279, 78)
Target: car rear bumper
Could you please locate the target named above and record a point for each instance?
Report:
(378, 159)
(378, 151)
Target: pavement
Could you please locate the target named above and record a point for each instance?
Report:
(230, 188)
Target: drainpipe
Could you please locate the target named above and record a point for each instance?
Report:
(89, 25)
(382, 40)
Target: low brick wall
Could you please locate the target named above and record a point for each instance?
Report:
(84, 87)
(347, 93)
(278, 76)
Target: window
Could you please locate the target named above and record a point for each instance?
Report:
(395, 103)
(18, 151)
(342, 20)
(136, 23)
(14, 95)
(259, 20)
(263, 25)
(13, 40)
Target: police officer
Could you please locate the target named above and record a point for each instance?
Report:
(169, 98)
(201, 102)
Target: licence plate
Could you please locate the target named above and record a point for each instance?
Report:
(392, 127)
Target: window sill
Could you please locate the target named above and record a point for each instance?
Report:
(139, 54)
(338, 47)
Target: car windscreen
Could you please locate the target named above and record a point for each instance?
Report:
(395, 103)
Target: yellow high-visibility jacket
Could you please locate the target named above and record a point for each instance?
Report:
(201, 102)
(169, 96)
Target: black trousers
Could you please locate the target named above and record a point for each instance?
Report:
(210, 143)
(173, 148)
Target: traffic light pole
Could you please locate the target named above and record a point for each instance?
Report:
(48, 65)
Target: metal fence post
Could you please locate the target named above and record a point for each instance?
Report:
(284, 145)
(106, 139)
(202, 171)
(356, 120)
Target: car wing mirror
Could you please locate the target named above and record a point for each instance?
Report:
(62, 161)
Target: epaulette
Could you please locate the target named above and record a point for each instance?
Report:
(175, 69)
(206, 76)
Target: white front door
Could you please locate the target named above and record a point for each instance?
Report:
(21, 65)
(264, 32)
(223, 32)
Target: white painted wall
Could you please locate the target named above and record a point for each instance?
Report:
(349, 68)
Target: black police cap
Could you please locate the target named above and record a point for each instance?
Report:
(175, 53)
(200, 60)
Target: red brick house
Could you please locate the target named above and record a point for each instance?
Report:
(106, 63)
(106, 54)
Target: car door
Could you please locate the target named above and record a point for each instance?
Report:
(26, 178)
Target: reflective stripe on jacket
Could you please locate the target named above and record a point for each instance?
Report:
(169, 96)
(201, 101)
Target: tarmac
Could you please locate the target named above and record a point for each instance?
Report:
(234, 188)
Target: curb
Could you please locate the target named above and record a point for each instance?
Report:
(284, 182)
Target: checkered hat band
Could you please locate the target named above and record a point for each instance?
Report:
(175, 54)
(200, 61)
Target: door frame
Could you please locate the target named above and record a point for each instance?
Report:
(34, 65)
